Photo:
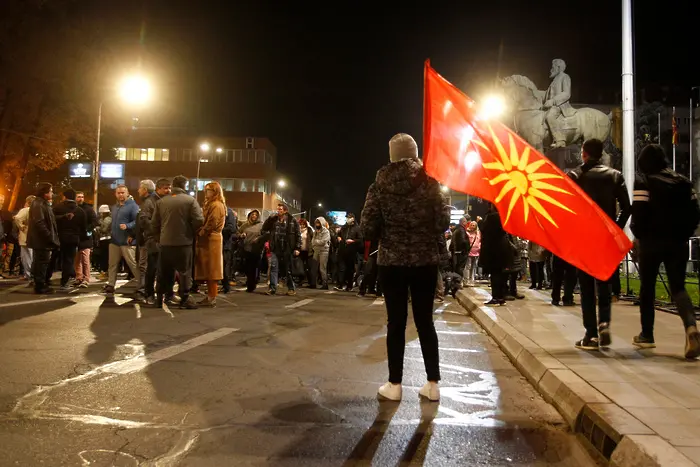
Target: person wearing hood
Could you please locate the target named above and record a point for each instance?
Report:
(124, 216)
(71, 222)
(406, 212)
(606, 187)
(22, 222)
(665, 214)
(82, 259)
(248, 233)
(321, 244)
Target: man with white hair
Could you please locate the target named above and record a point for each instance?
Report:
(149, 250)
(556, 102)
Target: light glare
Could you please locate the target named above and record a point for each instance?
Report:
(204, 147)
(492, 107)
(136, 90)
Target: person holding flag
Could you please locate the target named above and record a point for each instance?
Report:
(468, 151)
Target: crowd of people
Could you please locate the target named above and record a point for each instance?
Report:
(404, 249)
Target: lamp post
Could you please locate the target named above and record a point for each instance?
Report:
(204, 147)
(134, 90)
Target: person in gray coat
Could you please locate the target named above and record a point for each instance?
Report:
(175, 222)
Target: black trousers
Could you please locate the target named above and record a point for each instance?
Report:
(228, 270)
(459, 262)
(252, 263)
(563, 273)
(498, 284)
(537, 273)
(64, 258)
(675, 258)
(14, 258)
(40, 268)
(370, 283)
(592, 288)
(151, 271)
(615, 283)
(175, 259)
(421, 281)
(348, 260)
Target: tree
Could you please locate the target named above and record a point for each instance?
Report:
(42, 54)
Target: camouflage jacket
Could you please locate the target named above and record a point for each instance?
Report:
(407, 213)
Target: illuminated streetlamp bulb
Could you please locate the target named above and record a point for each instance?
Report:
(219, 150)
(204, 147)
(492, 107)
(320, 205)
(281, 183)
(135, 90)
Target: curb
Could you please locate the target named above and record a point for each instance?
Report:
(613, 432)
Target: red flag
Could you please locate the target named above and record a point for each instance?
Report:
(535, 199)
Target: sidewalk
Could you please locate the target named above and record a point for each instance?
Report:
(636, 407)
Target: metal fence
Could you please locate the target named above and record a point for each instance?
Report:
(630, 270)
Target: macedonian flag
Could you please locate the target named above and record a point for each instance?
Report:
(535, 199)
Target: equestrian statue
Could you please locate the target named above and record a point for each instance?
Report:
(546, 119)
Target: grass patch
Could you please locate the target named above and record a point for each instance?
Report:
(661, 293)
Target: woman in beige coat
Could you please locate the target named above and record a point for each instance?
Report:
(209, 254)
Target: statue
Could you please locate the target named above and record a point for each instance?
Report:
(556, 102)
(542, 117)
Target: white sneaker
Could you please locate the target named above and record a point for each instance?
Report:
(390, 391)
(430, 391)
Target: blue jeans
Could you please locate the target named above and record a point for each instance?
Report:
(26, 255)
(285, 263)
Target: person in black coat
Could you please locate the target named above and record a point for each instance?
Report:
(496, 257)
(229, 236)
(82, 258)
(42, 237)
(72, 229)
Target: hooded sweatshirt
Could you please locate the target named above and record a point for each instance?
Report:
(252, 233)
(406, 211)
(321, 241)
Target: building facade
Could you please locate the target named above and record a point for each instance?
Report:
(246, 167)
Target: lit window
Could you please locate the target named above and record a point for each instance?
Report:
(144, 154)
(261, 186)
(151, 154)
(131, 154)
(166, 155)
(120, 154)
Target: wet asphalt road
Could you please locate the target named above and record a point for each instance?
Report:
(288, 381)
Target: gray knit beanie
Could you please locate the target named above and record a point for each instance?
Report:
(402, 146)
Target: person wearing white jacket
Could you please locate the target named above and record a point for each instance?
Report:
(21, 220)
(321, 244)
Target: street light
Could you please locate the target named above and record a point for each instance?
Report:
(492, 107)
(281, 183)
(320, 205)
(135, 90)
(204, 147)
(219, 150)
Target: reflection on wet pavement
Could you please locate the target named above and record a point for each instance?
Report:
(271, 385)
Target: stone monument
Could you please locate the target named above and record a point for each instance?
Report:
(546, 119)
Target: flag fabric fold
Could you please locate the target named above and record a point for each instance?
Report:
(674, 129)
(536, 200)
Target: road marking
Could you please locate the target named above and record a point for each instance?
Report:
(15, 287)
(139, 363)
(329, 292)
(52, 299)
(226, 300)
(441, 308)
(379, 301)
(241, 289)
(459, 333)
(300, 303)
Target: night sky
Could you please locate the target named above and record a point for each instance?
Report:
(329, 85)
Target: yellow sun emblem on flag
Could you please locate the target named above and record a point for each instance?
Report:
(522, 179)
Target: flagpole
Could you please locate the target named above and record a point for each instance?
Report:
(627, 100)
(690, 131)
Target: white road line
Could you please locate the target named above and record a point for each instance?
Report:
(241, 289)
(14, 287)
(441, 308)
(226, 300)
(300, 303)
(141, 362)
(379, 301)
(329, 292)
(51, 299)
(138, 310)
